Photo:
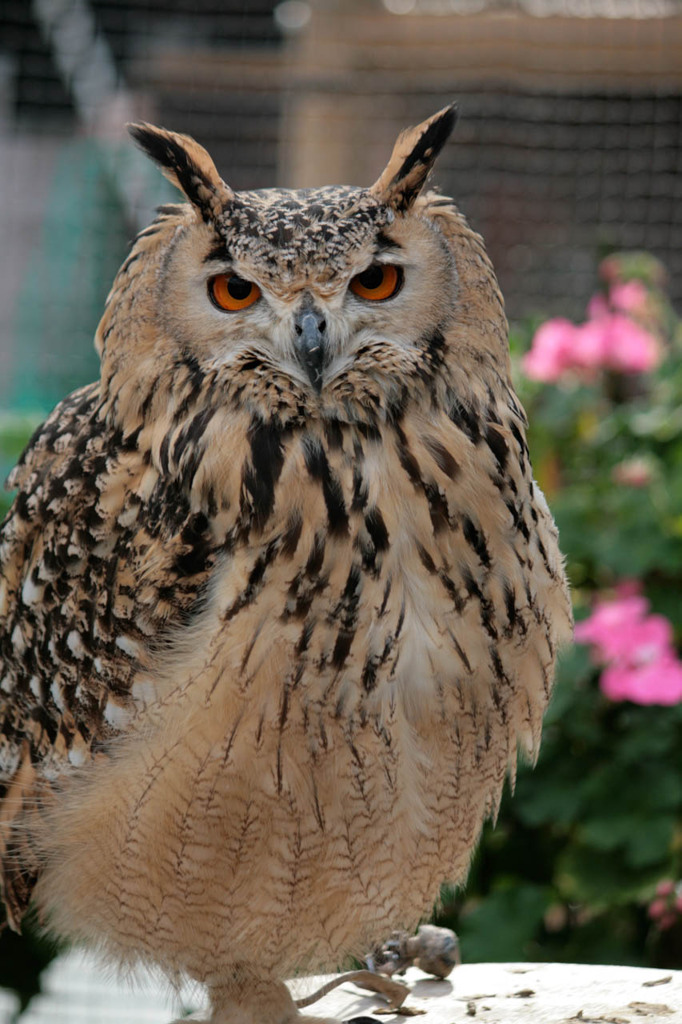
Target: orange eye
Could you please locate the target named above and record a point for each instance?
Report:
(380, 281)
(231, 292)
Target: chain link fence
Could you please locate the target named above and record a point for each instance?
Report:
(569, 142)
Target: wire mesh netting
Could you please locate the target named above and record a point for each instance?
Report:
(569, 141)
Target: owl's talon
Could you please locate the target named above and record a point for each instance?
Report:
(400, 1011)
(393, 991)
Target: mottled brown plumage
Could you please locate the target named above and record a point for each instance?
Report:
(279, 599)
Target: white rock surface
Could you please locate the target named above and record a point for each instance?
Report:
(78, 992)
(527, 994)
(8, 1006)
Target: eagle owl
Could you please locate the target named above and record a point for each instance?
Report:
(279, 598)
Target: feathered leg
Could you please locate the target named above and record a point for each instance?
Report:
(257, 1000)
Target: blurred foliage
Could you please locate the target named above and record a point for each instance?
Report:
(572, 864)
(15, 433)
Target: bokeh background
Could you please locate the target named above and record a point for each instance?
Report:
(568, 151)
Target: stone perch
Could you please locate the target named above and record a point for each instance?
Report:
(522, 994)
(77, 991)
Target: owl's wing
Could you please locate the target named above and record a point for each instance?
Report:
(99, 557)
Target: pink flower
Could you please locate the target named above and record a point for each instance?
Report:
(657, 908)
(641, 664)
(608, 625)
(656, 682)
(624, 297)
(635, 472)
(666, 908)
(644, 641)
(551, 351)
(615, 342)
(598, 307)
(631, 349)
(629, 297)
(608, 340)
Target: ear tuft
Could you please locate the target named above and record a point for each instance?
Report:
(187, 165)
(412, 158)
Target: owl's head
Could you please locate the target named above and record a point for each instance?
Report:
(327, 301)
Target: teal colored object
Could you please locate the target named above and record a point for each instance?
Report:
(87, 231)
(84, 240)
(85, 236)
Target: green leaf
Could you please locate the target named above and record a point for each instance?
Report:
(601, 879)
(503, 925)
(650, 841)
(643, 839)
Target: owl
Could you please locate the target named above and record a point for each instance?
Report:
(280, 601)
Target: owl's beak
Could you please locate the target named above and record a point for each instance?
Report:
(311, 343)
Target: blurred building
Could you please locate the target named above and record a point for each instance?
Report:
(569, 142)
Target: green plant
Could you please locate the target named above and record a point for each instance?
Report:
(15, 432)
(578, 852)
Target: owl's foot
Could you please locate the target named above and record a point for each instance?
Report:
(301, 1019)
(257, 1000)
(393, 991)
